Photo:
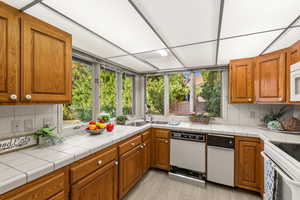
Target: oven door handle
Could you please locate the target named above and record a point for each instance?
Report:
(286, 177)
(282, 173)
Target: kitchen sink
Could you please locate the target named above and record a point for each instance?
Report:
(159, 122)
(137, 123)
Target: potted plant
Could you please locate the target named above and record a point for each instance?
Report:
(273, 119)
(121, 120)
(202, 118)
(48, 136)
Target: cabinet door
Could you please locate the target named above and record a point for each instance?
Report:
(293, 56)
(161, 150)
(146, 155)
(241, 81)
(270, 78)
(249, 164)
(130, 170)
(101, 185)
(46, 62)
(9, 54)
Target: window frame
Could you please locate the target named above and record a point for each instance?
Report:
(192, 93)
(133, 93)
(95, 83)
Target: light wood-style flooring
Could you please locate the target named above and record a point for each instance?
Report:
(156, 185)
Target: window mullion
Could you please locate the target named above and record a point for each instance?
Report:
(119, 106)
(192, 92)
(166, 95)
(96, 90)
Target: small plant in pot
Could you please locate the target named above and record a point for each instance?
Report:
(121, 120)
(202, 118)
(47, 136)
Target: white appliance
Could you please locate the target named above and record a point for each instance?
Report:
(220, 159)
(188, 156)
(281, 174)
(295, 82)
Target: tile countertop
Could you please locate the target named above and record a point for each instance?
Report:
(27, 165)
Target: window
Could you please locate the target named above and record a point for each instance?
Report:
(208, 92)
(81, 108)
(155, 94)
(179, 93)
(108, 92)
(127, 94)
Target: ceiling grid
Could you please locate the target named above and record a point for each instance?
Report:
(186, 46)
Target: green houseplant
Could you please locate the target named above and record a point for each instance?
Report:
(121, 120)
(47, 135)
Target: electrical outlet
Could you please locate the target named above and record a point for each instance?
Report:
(17, 126)
(28, 125)
(48, 122)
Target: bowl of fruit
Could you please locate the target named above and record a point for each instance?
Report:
(95, 128)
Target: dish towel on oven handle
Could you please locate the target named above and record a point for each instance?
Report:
(271, 181)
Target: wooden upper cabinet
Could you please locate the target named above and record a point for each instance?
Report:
(9, 54)
(241, 81)
(46, 62)
(270, 77)
(293, 56)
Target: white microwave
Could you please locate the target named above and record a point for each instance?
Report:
(295, 82)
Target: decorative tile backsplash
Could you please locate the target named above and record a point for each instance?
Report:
(19, 120)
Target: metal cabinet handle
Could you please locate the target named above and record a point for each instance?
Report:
(280, 99)
(28, 97)
(99, 162)
(142, 146)
(249, 99)
(116, 163)
(166, 141)
(13, 97)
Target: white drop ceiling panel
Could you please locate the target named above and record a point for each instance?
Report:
(81, 38)
(115, 20)
(132, 63)
(248, 16)
(182, 22)
(162, 59)
(286, 40)
(18, 3)
(197, 55)
(243, 47)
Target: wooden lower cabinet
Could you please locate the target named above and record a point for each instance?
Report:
(249, 165)
(130, 170)
(161, 153)
(54, 186)
(59, 196)
(146, 155)
(100, 185)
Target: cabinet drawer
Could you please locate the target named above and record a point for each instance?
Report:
(146, 135)
(130, 144)
(161, 133)
(44, 188)
(90, 165)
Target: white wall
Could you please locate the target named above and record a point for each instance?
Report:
(37, 114)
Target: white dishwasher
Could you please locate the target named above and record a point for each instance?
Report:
(220, 159)
(188, 156)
